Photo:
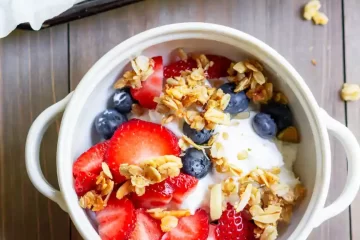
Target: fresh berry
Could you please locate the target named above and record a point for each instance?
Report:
(212, 235)
(150, 88)
(156, 195)
(199, 137)
(146, 228)
(194, 227)
(238, 101)
(108, 121)
(196, 163)
(117, 220)
(182, 186)
(137, 140)
(122, 100)
(84, 182)
(264, 125)
(219, 68)
(174, 69)
(234, 226)
(90, 161)
(281, 114)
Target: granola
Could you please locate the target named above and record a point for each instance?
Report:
(149, 172)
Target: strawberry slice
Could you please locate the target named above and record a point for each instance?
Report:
(117, 220)
(195, 227)
(150, 88)
(174, 69)
(137, 140)
(219, 68)
(182, 185)
(84, 182)
(90, 161)
(146, 228)
(156, 195)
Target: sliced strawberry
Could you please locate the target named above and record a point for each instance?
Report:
(90, 161)
(137, 140)
(150, 88)
(156, 195)
(84, 182)
(235, 225)
(174, 69)
(182, 185)
(146, 228)
(195, 227)
(117, 220)
(219, 68)
(212, 235)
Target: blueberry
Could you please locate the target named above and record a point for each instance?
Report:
(238, 101)
(108, 121)
(281, 114)
(264, 125)
(123, 100)
(195, 163)
(199, 137)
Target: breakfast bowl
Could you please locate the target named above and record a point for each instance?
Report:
(313, 164)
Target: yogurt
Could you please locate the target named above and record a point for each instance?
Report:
(240, 136)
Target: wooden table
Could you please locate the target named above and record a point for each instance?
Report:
(38, 69)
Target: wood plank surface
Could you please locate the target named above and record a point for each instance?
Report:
(352, 55)
(276, 22)
(33, 76)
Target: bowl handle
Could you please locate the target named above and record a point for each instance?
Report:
(32, 149)
(352, 150)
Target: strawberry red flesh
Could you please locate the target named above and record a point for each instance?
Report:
(235, 226)
(117, 220)
(90, 161)
(156, 195)
(151, 87)
(183, 185)
(219, 68)
(84, 182)
(136, 141)
(146, 228)
(175, 69)
(194, 227)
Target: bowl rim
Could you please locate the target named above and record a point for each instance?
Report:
(165, 33)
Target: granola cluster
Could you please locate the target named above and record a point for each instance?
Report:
(96, 200)
(350, 92)
(249, 75)
(311, 11)
(150, 171)
(187, 96)
(142, 67)
(259, 192)
(169, 219)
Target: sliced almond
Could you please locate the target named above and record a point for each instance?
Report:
(289, 134)
(216, 199)
(240, 67)
(245, 197)
(124, 190)
(259, 77)
(242, 115)
(268, 218)
(106, 170)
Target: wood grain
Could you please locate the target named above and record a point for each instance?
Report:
(352, 54)
(276, 22)
(33, 75)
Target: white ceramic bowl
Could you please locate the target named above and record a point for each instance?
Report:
(313, 163)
